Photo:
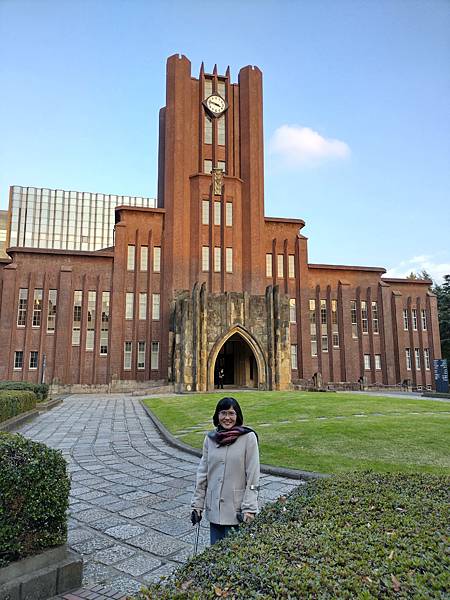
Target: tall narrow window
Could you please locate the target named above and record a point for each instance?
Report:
(417, 357)
(229, 260)
(414, 319)
(205, 258)
(367, 362)
(221, 130)
(144, 258)
(51, 312)
(375, 326)
(291, 265)
(33, 359)
(154, 361)
(104, 327)
(364, 319)
(323, 312)
(141, 356)
(408, 358)
(426, 358)
(90, 333)
(217, 259)
(156, 307)
(22, 307)
(207, 166)
(280, 265)
(76, 322)
(378, 362)
(292, 310)
(157, 259)
(405, 319)
(208, 89)
(205, 212)
(217, 207)
(324, 343)
(423, 314)
(142, 306)
(129, 302)
(130, 257)
(269, 265)
(294, 364)
(313, 327)
(354, 319)
(127, 355)
(37, 308)
(229, 214)
(208, 129)
(222, 165)
(334, 324)
(18, 359)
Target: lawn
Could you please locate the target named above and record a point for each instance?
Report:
(326, 432)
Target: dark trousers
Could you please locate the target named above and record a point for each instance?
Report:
(218, 532)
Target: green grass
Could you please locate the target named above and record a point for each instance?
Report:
(323, 433)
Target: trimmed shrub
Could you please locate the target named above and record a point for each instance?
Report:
(40, 389)
(354, 536)
(14, 402)
(34, 492)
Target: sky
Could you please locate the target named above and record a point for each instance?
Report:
(356, 109)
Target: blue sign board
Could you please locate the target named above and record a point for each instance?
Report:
(441, 375)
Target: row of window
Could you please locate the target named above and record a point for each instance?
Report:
(364, 317)
(323, 332)
(368, 362)
(217, 257)
(143, 258)
(280, 265)
(91, 320)
(417, 357)
(142, 308)
(415, 319)
(36, 320)
(141, 354)
(217, 212)
(32, 363)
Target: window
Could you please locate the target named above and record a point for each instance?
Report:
(205, 258)
(291, 265)
(157, 259)
(426, 358)
(144, 258)
(155, 307)
(405, 319)
(221, 130)
(414, 319)
(408, 358)
(323, 312)
(130, 258)
(313, 329)
(268, 265)
(217, 259)
(229, 214)
(417, 357)
(221, 165)
(375, 326)
(22, 308)
(142, 306)
(364, 319)
(217, 213)
(207, 166)
(280, 265)
(208, 90)
(229, 260)
(292, 311)
(127, 356)
(378, 362)
(354, 319)
(423, 314)
(129, 302)
(76, 322)
(18, 359)
(90, 334)
(205, 212)
(208, 131)
(33, 359)
(294, 357)
(335, 339)
(51, 313)
(104, 326)
(334, 324)
(154, 361)
(37, 308)
(141, 356)
(324, 343)
(367, 362)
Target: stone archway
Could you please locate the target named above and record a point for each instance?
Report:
(249, 366)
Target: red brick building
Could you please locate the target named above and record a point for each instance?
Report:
(206, 280)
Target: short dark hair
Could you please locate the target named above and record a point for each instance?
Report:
(225, 404)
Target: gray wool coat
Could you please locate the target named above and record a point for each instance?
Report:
(228, 479)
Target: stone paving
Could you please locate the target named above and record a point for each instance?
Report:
(130, 495)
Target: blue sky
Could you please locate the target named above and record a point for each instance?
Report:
(356, 109)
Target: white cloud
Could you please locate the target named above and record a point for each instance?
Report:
(437, 270)
(302, 146)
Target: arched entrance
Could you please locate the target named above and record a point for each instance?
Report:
(239, 355)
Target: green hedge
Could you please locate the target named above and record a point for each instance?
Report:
(40, 389)
(34, 492)
(355, 536)
(14, 402)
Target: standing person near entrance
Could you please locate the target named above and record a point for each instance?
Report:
(228, 473)
(221, 376)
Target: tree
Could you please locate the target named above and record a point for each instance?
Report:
(443, 298)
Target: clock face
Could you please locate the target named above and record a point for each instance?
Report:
(216, 104)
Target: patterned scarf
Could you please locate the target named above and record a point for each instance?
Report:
(225, 437)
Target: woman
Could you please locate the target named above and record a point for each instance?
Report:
(228, 473)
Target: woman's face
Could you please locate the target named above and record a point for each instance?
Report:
(227, 418)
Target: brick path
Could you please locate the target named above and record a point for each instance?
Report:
(129, 502)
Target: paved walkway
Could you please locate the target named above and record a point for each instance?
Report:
(129, 502)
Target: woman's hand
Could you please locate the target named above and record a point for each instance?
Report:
(196, 516)
(248, 517)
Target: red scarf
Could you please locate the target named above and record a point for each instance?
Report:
(225, 437)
